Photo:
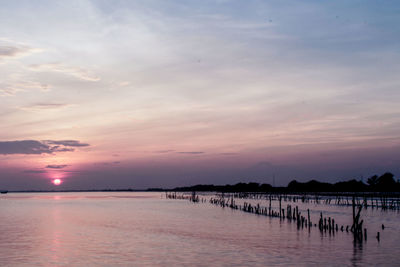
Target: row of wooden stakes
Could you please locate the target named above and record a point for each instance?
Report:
(325, 224)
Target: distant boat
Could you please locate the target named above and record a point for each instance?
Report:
(4, 192)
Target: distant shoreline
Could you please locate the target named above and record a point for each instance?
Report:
(375, 185)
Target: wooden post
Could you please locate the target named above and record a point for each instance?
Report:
(269, 210)
(354, 217)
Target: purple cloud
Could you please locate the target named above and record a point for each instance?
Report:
(38, 147)
(72, 143)
(54, 166)
(14, 51)
(108, 163)
(164, 151)
(191, 152)
(35, 171)
(24, 147)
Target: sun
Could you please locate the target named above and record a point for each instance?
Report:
(57, 181)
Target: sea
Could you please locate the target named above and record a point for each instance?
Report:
(147, 229)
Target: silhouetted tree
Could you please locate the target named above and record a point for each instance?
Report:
(265, 188)
(310, 186)
(372, 180)
(386, 182)
(350, 186)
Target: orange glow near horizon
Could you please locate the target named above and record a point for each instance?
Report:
(57, 181)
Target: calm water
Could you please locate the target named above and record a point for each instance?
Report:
(145, 229)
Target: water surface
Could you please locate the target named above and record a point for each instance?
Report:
(145, 229)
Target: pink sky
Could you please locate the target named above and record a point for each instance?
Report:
(147, 94)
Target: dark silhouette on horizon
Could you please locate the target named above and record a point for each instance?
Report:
(383, 183)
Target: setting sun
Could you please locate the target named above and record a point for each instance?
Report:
(57, 181)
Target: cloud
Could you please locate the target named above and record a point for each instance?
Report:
(62, 149)
(44, 106)
(9, 51)
(191, 152)
(164, 151)
(72, 143)
(13, 51)
(35, 171)
(54, 166)
(24, 147)
(79, 73)
(38, 147)
(10, 89)
(108, 163)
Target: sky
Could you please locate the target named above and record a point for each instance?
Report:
(164, 93)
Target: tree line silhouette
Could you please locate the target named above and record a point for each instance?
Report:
(383, 183)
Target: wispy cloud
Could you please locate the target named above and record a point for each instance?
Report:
(14, 51)
(24, 147)
(108, 163)
(38, 147)
(79, 73)
(73, 143)
(34, 171)
(191, 152)
(164, 151)
(10, 51)
(44, 106)
(10, 89)
(55, 166)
